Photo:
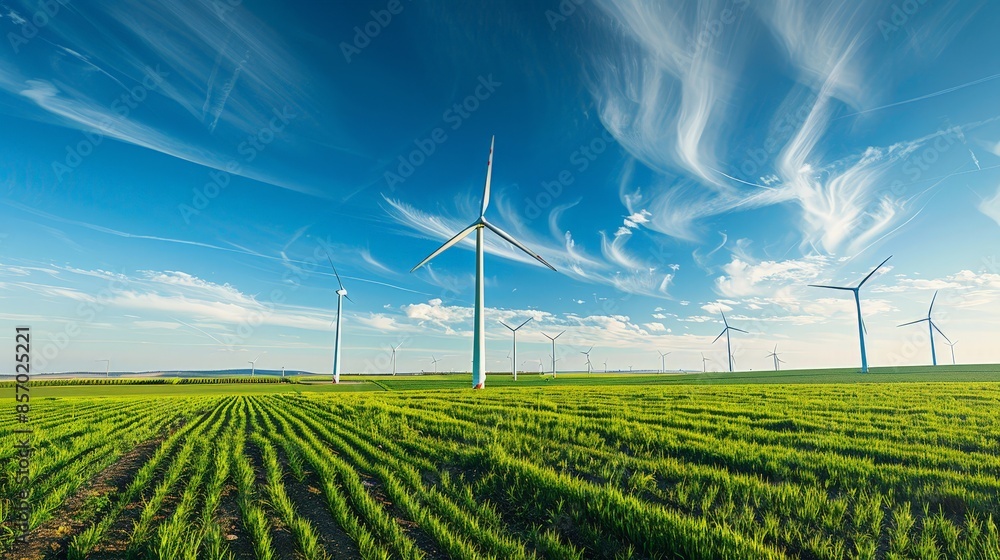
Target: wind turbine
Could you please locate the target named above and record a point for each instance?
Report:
(282, 372)
(857, 302)
(952, 344)
(107, 370)
(513, 331)
(393, 360)
(605, 366)
(435, 361)
(704, 360)
(589, 365)
(663, 361)
(777, 360)
(511, 360)
(253, 365)
(931, 327)
(341, 294)
(553, 354)
(479, 325)
(725, 331)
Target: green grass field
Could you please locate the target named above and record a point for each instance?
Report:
(798, 464)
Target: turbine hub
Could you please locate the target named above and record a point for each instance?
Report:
(341, 292)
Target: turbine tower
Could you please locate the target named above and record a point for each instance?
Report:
(952, 345)
(553, 354)
(663, 361)
(931, 326)
(434, 362)
(479, 325)
(393, 359)
(513, 331)
(605, 366)
(253, 365)
(777, 360)
(589, 365)
(107, 367)
(341, 294)
(704, 360)
(725, 331)
(857, 302)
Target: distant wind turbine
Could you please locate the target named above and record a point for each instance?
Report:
(553, 354)
(587, 354)
(107, 368)
(253, 365)
(435, 361)
(663, 361)
(729, 346)
(952, 345)
(605, 366)
(857, 301)
(282, 372)
(393, 359)
(704, 360)
(341, 294)
(513, 331)
(479, 325)
(931, 326)
(777, 360)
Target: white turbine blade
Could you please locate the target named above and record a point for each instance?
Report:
(913, 322)
(831, 287)
(506, 236)
(489, 175)
(931, 308)
(348, 298)
(458, 237)
(329, 258)
(720, 335)
(874, 271)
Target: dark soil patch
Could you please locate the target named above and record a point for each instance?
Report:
(228, 517)
(311, 504)
(51, 538)
(281, 537)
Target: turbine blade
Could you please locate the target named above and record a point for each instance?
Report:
(458, 237)
(912, 322)
(939, 332)
(348, 298)
(831, 287)
(506, 236)
(560, 334)
(720, 336)
(874, 271)
(341, 284)
(525, 322)
(724, 321)
(931, 308)
(489, 175)
(506, 325)
(740, 330)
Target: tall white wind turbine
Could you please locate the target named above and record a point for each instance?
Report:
(952, 345)
(857, 302)
(931, 326)
(434, 362)
(553, 354)
(513, 331)
(479, 327)
(253, 365)
(704, 361)
(663, 361)
(725, 331)
(393, 360)
(590, 368)
(107, 367)
(777, 360)
(341, 294)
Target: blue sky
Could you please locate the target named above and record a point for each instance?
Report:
(172, 176)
